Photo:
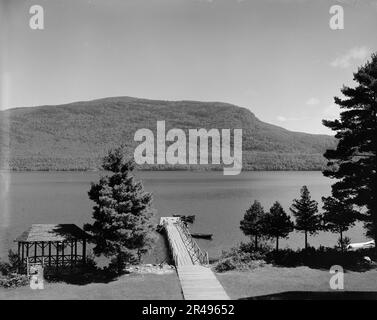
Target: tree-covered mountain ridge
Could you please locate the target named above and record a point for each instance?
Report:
(75, 136)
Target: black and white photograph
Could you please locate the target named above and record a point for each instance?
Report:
(196, 151)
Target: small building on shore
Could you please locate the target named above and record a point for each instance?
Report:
(53, 245)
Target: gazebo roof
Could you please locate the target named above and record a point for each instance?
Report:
(53, 233)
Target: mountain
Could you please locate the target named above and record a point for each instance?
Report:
(75, 136)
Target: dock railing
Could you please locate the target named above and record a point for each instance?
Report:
(197, 255)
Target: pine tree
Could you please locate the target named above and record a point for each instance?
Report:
(305, 211)
(252, 223)
(338, 216)
(353, 163)
(277, 224)
(122, 230)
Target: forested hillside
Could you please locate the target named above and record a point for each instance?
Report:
(74, 136)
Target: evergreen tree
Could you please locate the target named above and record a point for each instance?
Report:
(122, 230)
(277, 224)
(338, 216)
(353, 163)
(252, 223)
(305, 211)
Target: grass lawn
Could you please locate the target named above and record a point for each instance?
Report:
(269, 280)
(129, 287)
(261, 281)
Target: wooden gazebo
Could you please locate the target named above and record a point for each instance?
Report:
(54, 245)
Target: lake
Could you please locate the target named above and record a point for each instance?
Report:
(218, 201)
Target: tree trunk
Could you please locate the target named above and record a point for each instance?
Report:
(256, 243)
(374, 217)
(306, 240)
(277, 244)
(341, 241)
(373, 210)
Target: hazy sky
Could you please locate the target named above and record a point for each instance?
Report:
(278, 58)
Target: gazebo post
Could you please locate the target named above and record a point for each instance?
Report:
(27, 251)
(62, 253)
(19, 257)
(57, 254)
(84, 251)
(35, 251)
(75, 250)
(22, 252)
(49, 253)
(71, 253)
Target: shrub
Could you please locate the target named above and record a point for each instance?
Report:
(243, 257)
(263, 249)
(14, 280)
(343, 242)
(321, 258)
(11, 266)
(4, 268)
(224, 265)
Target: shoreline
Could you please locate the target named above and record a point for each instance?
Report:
(160, 170)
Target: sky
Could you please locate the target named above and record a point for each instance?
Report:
(278, 58)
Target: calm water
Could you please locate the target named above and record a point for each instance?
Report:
(218, 202)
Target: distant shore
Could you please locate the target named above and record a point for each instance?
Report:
(160, 170)
(251, 161)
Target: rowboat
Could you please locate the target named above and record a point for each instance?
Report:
(207, 236)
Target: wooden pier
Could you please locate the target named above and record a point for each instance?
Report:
(198, 282)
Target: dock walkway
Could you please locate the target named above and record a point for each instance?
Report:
(198, 282)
